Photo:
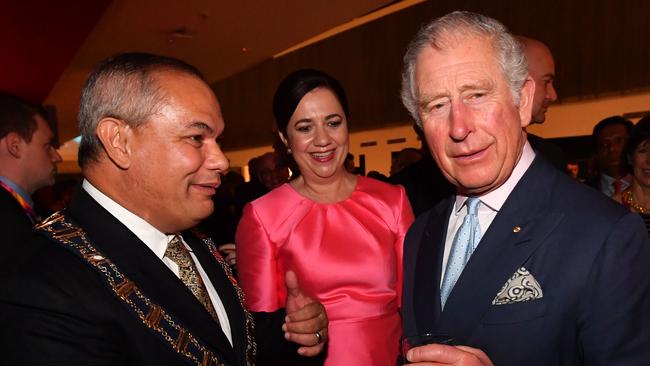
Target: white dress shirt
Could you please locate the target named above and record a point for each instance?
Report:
(489, 206)
(157, 241)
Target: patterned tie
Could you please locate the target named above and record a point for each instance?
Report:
(177, 252)
(465, 241)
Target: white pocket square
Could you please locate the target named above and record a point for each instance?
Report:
(521, 287)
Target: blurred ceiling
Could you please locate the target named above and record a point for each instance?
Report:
(50, 47)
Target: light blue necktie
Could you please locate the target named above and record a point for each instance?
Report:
(465, 241)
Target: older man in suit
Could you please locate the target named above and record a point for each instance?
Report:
(522, 266)
(117, 278)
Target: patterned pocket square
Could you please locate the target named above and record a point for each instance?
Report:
(521, 287)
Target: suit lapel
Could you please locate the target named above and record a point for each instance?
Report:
(426, 296)
(150, 274)
(518, 229)
(227, 294)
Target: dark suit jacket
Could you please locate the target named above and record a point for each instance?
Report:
(15, 226)
(549, 151)
(590, 256)
(55, 310)
(424, 184)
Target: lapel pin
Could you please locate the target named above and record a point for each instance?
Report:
(516, 229)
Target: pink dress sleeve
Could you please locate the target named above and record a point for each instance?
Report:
(404, 220)
(257, 265)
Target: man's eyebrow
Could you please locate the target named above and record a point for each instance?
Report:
(428, 98)
(483, 84)
(201, 125)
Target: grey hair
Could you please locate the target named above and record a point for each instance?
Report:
(123, 87)
(457, 25)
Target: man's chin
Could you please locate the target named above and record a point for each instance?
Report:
(204, 212)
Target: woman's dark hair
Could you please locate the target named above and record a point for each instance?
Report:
(294, 87)
(640, 133)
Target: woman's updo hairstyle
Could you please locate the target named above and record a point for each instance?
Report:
(294, 87)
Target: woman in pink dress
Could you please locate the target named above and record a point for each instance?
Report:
(342, 234)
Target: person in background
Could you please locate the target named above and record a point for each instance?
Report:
(220, 226)
(28, 161)
(56, 197)
(349, 163)
(271, 171)
(522, 265)
(267, 172)
(423, 181)
(341, 233)
(541, 68)
(637, 151)
(377, 175)
(405, 157)
(610, 136)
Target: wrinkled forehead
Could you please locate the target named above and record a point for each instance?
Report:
(466, 62)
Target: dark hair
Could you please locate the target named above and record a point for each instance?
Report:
(640, 133)
(123, 87)
(17, 116)
(611, 121)
(295, 86)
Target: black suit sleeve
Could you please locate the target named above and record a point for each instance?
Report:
(273, 348)
(44, 323)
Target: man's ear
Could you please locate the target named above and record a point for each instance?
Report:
(115, 135)
(14, 144)
(526, 101)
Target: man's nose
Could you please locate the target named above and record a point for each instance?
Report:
(56, 157)
(216, 159)
(460, 122)
(551, 94)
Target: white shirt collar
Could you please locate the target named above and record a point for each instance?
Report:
(152, 237)
(496, 198)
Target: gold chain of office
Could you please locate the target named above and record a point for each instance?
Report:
(61, 229)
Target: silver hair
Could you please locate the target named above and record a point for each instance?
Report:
(455, 26)
(123, 87)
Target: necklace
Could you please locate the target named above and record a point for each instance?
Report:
(628, 199)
